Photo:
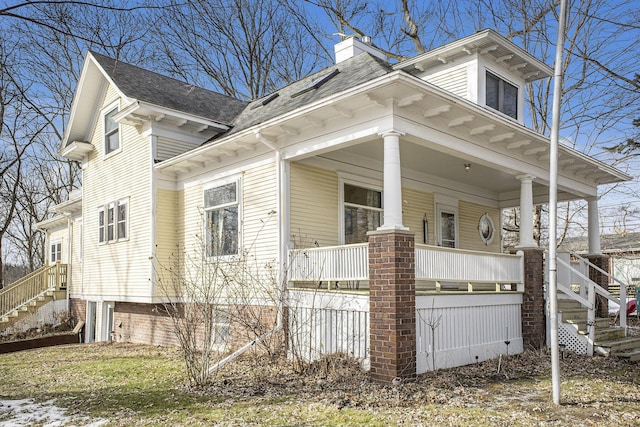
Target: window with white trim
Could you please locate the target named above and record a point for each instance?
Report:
(111, 132)
(56, 251)
(362, 208)
(221, 210)
(447, 226)
(501, 95)
(113, 221)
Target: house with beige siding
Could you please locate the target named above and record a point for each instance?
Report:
(367, 197)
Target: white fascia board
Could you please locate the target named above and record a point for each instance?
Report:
(94, 78)
(457, 45)
(145, 108)
(276, 121)
(54, 222)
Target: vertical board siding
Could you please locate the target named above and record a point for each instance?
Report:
(467, 329)
(321, 324)
(314, 206)
(468, 218)
(120, 268)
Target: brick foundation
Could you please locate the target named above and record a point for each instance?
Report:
(392, 305)
(601, 261)
(143, 323)
(533, 318)
(77, 310)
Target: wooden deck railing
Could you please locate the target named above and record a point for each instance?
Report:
(52, 277)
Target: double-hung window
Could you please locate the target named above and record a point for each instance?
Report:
(56, 251)
(362, 212)
(501, 95)
(221, 209)
(111, 132)
(113, 221)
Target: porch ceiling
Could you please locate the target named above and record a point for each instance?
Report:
(446, 173)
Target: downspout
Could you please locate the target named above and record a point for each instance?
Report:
(283, 195)
(69, 257)
(282, 253)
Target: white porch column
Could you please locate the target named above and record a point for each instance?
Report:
(526, 211)
(594, 227)
(392, 188)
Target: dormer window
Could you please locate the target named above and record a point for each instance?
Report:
(501, 95)
(111, 132)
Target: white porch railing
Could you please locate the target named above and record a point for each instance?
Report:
(331, 263)
(574, 282)
(456, 265)
(351, 262)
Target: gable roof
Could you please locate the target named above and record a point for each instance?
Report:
(610, 244)
(148, 86)
(337, 78)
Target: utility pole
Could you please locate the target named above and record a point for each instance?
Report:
(553, 205)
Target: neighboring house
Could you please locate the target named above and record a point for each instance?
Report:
(383, 181)
(623, 252)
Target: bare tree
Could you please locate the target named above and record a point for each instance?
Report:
(239, 47)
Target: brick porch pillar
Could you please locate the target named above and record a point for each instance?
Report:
(601, 261)
(392, 305)
(533, 318)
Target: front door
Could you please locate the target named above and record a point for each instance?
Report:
(446, 229)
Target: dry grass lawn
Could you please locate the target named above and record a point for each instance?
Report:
(125, 385)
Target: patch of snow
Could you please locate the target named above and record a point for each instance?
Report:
(26, 412)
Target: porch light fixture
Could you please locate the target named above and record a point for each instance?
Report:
(467, 166)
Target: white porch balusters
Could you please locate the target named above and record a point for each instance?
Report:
(594, 227)
(392, 182)
(526, 211)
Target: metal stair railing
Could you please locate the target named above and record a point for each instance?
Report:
(587, 297)
(31, 286)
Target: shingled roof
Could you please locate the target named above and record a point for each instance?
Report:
(153, 88)
(345, 75)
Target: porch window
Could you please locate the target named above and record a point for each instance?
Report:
(221, 220)
(111, 132)
(56, 251)
(501, 95)
(362, 212)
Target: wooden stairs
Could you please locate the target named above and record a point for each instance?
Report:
(24, 297)
(609, 341)
(29, 308)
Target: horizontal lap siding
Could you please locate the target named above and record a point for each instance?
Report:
(166, 232)
(259, 227)
(259, 214)
(314, 206)
(468, 218)
(168, 148)
(120, 269)
(454, 81)
(418, 204)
